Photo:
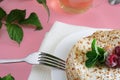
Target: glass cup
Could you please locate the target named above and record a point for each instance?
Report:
(76, 6)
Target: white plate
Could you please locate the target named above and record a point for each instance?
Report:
(63, 49)
(65, 46)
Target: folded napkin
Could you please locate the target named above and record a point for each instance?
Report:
(58, 31)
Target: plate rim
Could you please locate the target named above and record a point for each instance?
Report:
(74, 33)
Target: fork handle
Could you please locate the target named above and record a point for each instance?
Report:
(3, 61)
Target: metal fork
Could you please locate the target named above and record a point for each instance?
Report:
(39, 58)
(114, 2)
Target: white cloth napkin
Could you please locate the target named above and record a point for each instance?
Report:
(58, 31)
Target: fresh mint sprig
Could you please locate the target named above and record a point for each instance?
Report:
(16, 15)
(102, 55)
(15, 32)
(15, 19)
(32, 20)
(96, 55)
(92, 58)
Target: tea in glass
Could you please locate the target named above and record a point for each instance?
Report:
(76, 6)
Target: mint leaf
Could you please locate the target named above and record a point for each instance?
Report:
(94, 46)
(16, 15)
(32, 20)
(91, 54)
(101, 50)
(44, 3)
(41, 1)
(103, 54)
(92, 58)
(8, 77)
(102, 57)
(0, 24)
(15, 32)
(2, 13)
(96, 55)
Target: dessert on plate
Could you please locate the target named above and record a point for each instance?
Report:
(96, 57)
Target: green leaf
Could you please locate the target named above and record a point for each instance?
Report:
(8, 77)
(16, 15)
(41, 1)
(0, 24)
(95, 56)
(101, 50)
(32, 20)
(2, 13)
(90, 54)
(92, 58)
(102, 55)
(94, 46)
(15, 32)
(44, 3)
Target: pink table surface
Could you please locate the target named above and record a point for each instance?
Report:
(102, 16)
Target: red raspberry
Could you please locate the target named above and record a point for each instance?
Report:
(118, 65)
(112, 60)
(117, 50)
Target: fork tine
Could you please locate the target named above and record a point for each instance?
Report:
(50, 60)
(43, 53)
(52, 57)
(47, 58)
(52, 65)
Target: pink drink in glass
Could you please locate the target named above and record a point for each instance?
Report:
(76, 6)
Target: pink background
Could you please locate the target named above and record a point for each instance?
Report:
(102, 16)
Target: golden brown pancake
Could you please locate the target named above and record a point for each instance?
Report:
(75, 63)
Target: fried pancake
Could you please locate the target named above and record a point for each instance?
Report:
(75, 63)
